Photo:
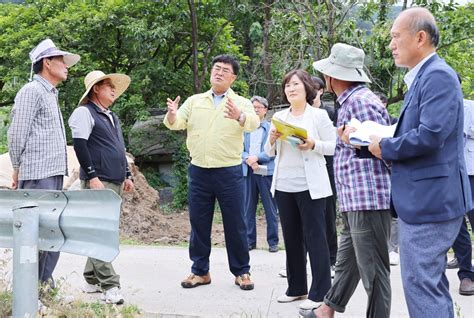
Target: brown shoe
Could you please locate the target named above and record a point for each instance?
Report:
(194, 281)
(244, 282)
(467, 287)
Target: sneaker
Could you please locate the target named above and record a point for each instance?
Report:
(288, 299)
(194, 280)
(273, 249)
(112, 296)
(308, 304)
(394, 258)
(282, 273)
(244, 282)
(452, 264)
(90, 289)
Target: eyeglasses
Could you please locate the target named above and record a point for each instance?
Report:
(224, 70)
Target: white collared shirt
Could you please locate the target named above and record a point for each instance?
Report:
(411, 75)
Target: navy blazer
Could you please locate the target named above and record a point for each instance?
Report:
(429, 179)
(263, 158)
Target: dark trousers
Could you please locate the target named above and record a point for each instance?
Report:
(47, 260)
(363, 255)
(227, 186)
(462, 248)
(304, 230)
(256, 185)
(331, 230)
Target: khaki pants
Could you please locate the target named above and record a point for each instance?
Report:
(98, 272)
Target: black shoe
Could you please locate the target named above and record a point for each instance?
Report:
(467, 287)
(273, 249)
(252, 247)
(452, 264)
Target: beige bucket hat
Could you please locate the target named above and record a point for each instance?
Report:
(345, 63)
(120, 81)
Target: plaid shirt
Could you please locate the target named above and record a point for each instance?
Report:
(36, 137)
(362, 184)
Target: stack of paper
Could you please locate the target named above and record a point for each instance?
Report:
(361, 137)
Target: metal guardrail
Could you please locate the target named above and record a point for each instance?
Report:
(84, 222)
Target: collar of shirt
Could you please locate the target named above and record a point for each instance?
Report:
(218, 98)
(103, 109)
(49, 87)
(348, 92)
(411, 75)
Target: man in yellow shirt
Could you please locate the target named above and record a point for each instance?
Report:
(215, 123)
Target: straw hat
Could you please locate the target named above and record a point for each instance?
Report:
(345, 63)
(120, 81)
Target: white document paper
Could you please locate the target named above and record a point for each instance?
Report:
(262, 170)
(361, 137)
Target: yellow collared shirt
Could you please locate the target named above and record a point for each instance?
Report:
(214, 141)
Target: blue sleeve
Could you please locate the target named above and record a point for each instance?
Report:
(437, 107)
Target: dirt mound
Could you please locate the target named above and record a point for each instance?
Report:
(142, 220)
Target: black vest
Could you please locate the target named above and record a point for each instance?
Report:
(106, 147)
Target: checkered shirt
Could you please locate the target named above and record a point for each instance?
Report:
(36, 136)
(362, 184)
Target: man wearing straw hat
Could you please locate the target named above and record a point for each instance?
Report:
(100, 150)
(36, 137)
(363, 189)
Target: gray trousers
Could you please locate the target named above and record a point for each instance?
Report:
(423, 249)
(47, 260)
(97, 272)
(363, 254)
(393, 241)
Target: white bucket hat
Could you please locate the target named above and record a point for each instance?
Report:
(46, 48)
(120, 81)
(345, 63)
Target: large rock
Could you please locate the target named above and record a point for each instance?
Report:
(150, 141)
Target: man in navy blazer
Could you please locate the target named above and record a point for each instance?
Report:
(430, 186)
(259, 180)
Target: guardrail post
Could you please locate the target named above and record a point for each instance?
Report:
(25, 259)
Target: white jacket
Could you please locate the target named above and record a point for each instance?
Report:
(322, 131)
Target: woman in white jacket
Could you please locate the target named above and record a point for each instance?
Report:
(300, 185)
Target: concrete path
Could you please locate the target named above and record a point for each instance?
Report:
(151, 277)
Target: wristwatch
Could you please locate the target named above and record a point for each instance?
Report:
(130, 177)
(241, 117)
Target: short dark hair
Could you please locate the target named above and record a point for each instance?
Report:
(227, 59)
(382, 97)
(38, 66)
(318, 82)
(309, 86)
(427, 23)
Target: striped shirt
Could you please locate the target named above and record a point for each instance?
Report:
(362, 184)
(36, 137)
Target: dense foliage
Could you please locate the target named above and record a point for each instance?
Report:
(166, 46)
